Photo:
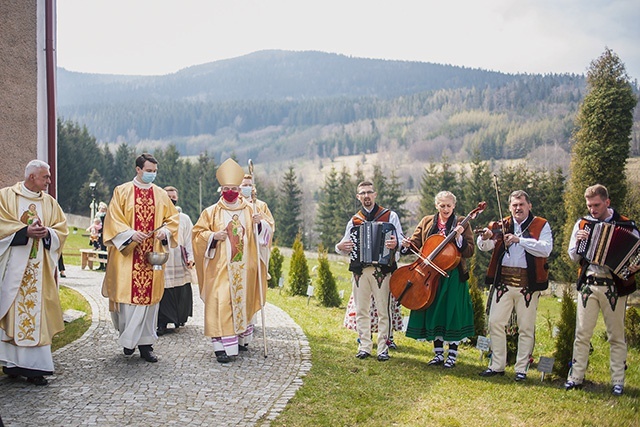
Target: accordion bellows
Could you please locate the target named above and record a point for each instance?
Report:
(610, 245)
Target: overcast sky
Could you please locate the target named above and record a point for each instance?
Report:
(163, 36)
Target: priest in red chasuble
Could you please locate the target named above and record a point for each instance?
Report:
(140, 219)
(33, 229)
(226, 256)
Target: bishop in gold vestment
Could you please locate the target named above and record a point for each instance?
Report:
(133, 287)
(33, 229)
(226, 256)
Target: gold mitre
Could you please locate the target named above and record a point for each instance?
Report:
(230, 173)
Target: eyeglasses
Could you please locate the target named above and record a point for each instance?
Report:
(365, 193)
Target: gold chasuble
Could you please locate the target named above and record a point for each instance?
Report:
(130, 279)
(30, 312)
(228, 269)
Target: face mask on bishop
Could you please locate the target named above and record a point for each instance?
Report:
(230, 195)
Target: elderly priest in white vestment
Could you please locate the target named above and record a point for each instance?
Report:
(33, 229)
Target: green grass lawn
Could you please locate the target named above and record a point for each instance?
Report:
(341, 390)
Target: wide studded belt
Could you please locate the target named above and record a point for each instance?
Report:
(514, 276)
(599, 281)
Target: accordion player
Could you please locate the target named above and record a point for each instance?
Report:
(369, 238)
(610, 244)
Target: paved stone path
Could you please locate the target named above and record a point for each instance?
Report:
(96, 385)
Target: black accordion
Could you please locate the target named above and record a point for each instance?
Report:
(610, 245)
(368, 239)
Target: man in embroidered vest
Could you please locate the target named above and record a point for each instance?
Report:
(371, 279)
(33, 230)
(227, 256)
(518, 271)
(600, 290)
(133, 286)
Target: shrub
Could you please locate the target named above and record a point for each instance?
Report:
(299, 269)
(566, 334)
(327, 290)
(275, 267)
(477, 301)
(632, 327)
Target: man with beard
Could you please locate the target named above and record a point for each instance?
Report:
(227, 256)
(371, 279)
(518, 271)
(33, 230)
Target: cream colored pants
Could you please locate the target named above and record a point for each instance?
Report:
(499, 317)
(362, 291)
(586, 318)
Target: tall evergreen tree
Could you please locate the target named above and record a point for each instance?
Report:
(288, 212)
(329, 229)
(601, 147)
(78, 156)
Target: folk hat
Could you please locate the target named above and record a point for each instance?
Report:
(230, 173)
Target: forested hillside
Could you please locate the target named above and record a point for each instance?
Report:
(275, 105)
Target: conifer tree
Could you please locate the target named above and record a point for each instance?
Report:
(275, 267)
(326, 288)
(288, 212)
(601, 147)
(566, 334)
(328, 225)
(390, 192)
(298, 269)
(477, 301)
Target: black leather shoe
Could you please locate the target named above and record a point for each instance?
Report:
(161, 330)
(37, 380)
(146, 352)
(490, 373)
(128, 351)
(362, 355)
(520, 376)
(243, 347)
(570, 385)
(222, 357)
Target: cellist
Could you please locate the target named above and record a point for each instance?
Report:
(517, 271)
(450, 317)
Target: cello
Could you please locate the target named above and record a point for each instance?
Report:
(415, 285)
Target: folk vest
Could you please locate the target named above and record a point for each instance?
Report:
(537, 267)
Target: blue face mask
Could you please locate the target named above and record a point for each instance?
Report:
(148, 177)
(246, 191)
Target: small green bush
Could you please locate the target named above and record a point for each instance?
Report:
(299, 270)
(327, 289)
(566, 335)
(275, 267)
(632, 327)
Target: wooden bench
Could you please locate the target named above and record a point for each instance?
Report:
(89, 256)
